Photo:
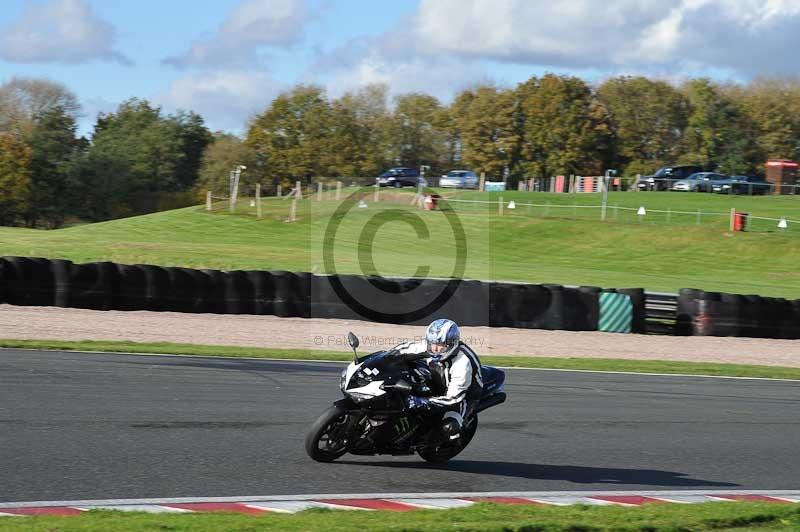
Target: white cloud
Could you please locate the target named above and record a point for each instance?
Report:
(747, 37)
(65, 31)
(225, 99)
(252, 25)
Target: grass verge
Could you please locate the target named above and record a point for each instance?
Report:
(589, 364)
(665, 251)
(740, 516)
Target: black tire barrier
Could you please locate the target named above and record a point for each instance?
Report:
(214, 292)
(590, 301)
(686, 310)
(470, 303)
(637, 295)
(238, 293)
(400, 301)
(105, 285)
(157, 287)
(292, 294)
(526, 306)
(183, 293)
(28, 281)
(132, 288)
(90, 285)
(718, 314)
(263, 291)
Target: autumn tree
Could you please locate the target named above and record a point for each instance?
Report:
(220, 157)
(290, 137)
(565, 129)
(54, 148)
(773, 107)
(718, 137)
(647, 121)
(15, 177)
(22, 100)
(483, 121)
(417, 135)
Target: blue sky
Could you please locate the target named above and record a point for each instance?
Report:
(227, 59)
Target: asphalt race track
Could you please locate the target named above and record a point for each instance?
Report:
(101, 426)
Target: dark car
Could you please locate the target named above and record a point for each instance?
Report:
(665, 177)
(399, 177)
(748, 184)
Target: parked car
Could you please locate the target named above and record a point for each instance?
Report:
(722, 184)
(459, 179)
(749, 184)
(399, 177)
(665, 177)
(698, 182)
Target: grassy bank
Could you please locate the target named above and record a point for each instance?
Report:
(587, 364)
(740, 516)
(523, 245)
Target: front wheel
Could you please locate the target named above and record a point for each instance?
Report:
(440, 455)
(327, 439)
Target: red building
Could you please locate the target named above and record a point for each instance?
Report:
(781, 172)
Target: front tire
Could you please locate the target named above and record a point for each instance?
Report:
(443, 454)
(326, 439)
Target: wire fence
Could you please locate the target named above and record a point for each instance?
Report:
(292, 203)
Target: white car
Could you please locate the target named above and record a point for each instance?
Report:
(459, 179)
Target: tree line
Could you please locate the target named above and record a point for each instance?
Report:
(548, 125)
(138, 159)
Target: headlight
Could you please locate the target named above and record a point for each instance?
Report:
(343, 379)
(357, 397)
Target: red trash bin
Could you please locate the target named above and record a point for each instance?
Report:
(740, 221)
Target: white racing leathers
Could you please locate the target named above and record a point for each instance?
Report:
(459, 376)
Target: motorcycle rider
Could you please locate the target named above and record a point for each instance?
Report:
(456, 369)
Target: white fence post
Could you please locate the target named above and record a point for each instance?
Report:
(258, 200)
(338, 190)
(278, 194)
(298, 191)
(500, 205)
(208, 200)
(319, 191)
(483, 182)
(377, 190)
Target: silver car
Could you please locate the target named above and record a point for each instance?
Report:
(459, 179)
(698, 182)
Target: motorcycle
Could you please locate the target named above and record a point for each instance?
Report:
(373, 418)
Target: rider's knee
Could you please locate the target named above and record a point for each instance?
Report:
(451, 425)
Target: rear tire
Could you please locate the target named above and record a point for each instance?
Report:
(325, 441)
(443, 454)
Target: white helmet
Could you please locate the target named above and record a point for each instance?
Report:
(442, 338)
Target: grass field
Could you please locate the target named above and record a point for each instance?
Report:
(569, 247)
(586, 364)
(738, 516)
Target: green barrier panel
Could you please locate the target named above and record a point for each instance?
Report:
(616, 313)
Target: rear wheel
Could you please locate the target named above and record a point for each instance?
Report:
(327, 439)
(397, 184)
(440, 455)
